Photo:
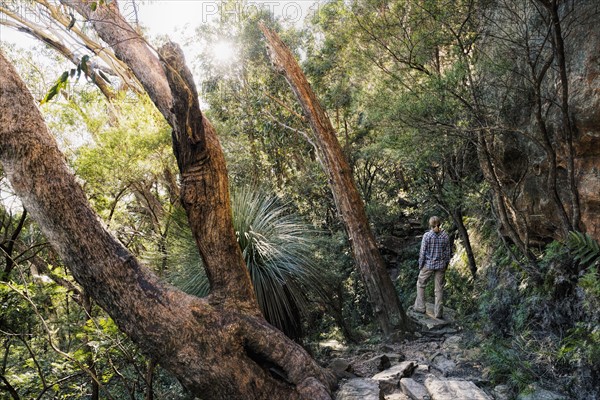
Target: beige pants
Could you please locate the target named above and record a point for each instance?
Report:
(424, 275)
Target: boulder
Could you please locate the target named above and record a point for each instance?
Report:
(454, 389)
(382, 362)
(373, 365)
(389, 380)
(359, 389)
(444, 364)
(453, 342)
(413, 389)
(341, 368)
(502, 392)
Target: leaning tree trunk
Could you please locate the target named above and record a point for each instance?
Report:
(219, 347)
(380, 290)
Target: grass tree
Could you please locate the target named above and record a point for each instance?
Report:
(276, 245)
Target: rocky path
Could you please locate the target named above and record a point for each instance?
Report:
(435, 365)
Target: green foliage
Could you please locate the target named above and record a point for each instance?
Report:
(590, 283)
(584, 249)
(508, 365)
(50, 339)
(582, 345)
(460, 292)
(405, 83)
(535, 329)
(408, 271)
(60, 84)
(128, 167)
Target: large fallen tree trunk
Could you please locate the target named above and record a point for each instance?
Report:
(219, 347)
(380, 290)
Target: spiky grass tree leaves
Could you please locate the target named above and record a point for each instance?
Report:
(277, 248)
(584, 249)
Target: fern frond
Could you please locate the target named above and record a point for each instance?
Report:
(583, 248)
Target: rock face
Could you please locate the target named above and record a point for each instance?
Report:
(584, 78)
(522, 164)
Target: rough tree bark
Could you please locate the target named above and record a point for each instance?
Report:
(218, 347)
(380, 290)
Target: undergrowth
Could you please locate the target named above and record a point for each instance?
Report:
(545, 329)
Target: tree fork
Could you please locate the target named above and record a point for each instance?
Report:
(195, 339)
(380, 289)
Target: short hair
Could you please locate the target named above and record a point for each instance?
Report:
(434, 221)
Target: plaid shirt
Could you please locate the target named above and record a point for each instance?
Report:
(435, 250)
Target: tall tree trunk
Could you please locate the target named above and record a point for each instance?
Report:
(380, 290)
(219, 347)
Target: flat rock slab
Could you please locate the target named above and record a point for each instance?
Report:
(360, 389)
(452, 342)
(453, 390)
(428, 322)
(390, 378)
(395, 357)
(398, 371)
(368, 368)
(444, 364)
(413, 389)
(397, 396)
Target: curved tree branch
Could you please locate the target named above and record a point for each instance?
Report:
(196, 339)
